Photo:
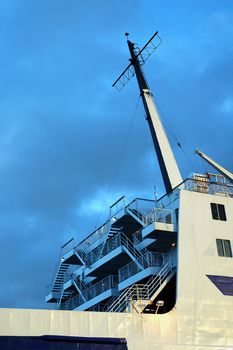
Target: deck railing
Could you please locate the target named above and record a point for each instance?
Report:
(211, 184)
(208, 187)
(142, 291)
(109, 282)
(160, 215)
(67, 247)
(111, 244)
(147, 260)
(144, 206)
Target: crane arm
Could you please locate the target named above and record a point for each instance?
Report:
(215, 165)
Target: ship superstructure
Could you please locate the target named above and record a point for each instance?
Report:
(130, 263)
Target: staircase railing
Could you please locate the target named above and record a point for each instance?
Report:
(111, 244)
(81, 254)
(57, 285)
(142, 291)
(136, 254)
(65, 295)
(140, 208)
(80, 286)
(147, 260)
(93, 290)
(114, 242)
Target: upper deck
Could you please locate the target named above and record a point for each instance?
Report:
(131, 256)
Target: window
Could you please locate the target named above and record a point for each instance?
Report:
(218, 211)
(224, 247)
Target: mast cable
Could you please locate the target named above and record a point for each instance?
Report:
(206, 166)
(173, 134)
(109, 187)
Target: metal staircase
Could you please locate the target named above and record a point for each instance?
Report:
(117, 238)
(137, 215)
(132, 297)
(139, 209)
(88, 257)
(81, 254)
(113, 231)
(81, 287)
(59, 279)
(138, 296)
(110, 233)
(65, 296)
(136, 255)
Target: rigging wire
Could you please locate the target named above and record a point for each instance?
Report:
(206, 166)
(173, 134)
(109, 187)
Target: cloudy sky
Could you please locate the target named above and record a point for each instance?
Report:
(70, 144)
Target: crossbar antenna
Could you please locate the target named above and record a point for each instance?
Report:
(168, 166)
(142, 55)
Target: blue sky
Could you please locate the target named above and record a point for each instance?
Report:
(70, 144)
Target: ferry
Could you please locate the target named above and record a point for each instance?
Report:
(157, 274)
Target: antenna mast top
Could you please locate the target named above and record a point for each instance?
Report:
(169, 169)
(143, 54)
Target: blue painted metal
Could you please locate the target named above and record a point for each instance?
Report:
(223, 283)
(61, 342)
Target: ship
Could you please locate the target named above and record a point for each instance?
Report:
(157, 274)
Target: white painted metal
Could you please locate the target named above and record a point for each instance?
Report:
(168, 166)
(215, 165)
(168, 156)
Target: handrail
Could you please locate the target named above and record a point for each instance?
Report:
(93, 290)
(112, 243)
(87, 241)
(228, 188)
(117, 201)
(188, 184)
(67, 243)
(160, 215)
(146, 260)
(54, 274)
(59, 264)
(142, 291)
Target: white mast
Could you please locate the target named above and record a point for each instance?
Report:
(168, 166)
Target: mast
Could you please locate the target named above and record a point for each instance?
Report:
(168, 166)
(215, 165)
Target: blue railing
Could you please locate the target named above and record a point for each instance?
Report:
(143, 206)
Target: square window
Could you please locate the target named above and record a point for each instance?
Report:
(221, 211)
(218, 211)
(220, 247)
(224, 247)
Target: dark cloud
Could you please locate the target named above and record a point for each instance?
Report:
(70, 144)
